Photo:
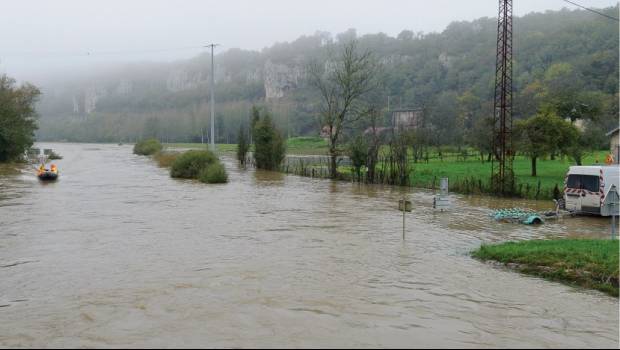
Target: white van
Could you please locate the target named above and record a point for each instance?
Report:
(586, 189)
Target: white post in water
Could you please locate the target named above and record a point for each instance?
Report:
(404, 206)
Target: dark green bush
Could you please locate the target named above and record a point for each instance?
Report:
(269, 148)
(147, 147)
(191, 163)
(243, 146)
(214, 174)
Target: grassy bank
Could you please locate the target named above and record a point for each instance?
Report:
(294, 145)
(467, 174)
(580, 262)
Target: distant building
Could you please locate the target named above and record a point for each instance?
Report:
(614, 144)
(408, 118)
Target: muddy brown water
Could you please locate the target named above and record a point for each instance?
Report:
(118, 254)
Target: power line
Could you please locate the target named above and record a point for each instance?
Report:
(591, 10)
(97, 53)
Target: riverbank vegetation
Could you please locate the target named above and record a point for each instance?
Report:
(582, 262)
(165, 158)
(200, 165)
(17, 118)
(269, 147)
(399, 102)
(147, 147)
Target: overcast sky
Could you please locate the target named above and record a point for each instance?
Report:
(39, 37)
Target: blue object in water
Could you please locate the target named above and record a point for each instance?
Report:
(523, 216)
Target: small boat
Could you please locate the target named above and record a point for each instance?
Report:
(48, 174)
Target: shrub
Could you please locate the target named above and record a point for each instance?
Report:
(189, 164)
(269, 148)
(214, 174)
(147, 147)
(357, 151)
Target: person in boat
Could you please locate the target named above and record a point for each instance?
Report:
(42, 168)
(53, 168)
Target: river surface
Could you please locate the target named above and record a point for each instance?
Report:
(118, 254)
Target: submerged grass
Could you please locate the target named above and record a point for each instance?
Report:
(582, 262)
(165, 159)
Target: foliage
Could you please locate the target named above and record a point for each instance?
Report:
(242, 146)
(147, 147)
(566, 63)
(544, 134)
(17, 118)
(214, 174)
(189, 164)
(357, 151)
(341, 90)
(588, 263)
(269, 148)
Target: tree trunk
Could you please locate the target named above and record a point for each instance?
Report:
(333, 169)
(534, 166)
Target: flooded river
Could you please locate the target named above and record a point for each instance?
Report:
(118, 254)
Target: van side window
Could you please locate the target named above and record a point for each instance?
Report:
(574, 181)
(589, 183)
(583, 182)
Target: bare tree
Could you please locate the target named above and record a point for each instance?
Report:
(342, 87)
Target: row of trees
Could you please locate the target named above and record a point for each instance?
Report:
(346, 98)
(559, 56)
(17, 118)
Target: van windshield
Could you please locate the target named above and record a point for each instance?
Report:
(583, 182)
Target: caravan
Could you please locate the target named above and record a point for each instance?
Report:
(592, 189)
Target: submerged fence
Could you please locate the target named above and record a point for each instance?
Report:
(317, 166)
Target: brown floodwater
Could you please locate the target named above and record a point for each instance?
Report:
(118, 254)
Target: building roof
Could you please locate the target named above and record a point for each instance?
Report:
(612, 132)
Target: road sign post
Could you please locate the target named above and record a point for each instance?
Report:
(404, 206)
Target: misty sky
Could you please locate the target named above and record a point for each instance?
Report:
(40, 37)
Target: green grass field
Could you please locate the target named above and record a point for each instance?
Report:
(586, 263)
(550, 172)
(294, 145)
(465, 176)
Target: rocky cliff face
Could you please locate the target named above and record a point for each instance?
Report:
(279, 79)
(181, 80)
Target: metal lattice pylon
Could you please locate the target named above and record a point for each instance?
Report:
(503, 175)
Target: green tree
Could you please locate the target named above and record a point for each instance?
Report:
(341, 89)
(480, 136)
(357, 151)
(542, 135)
(269, 148)
(17, 118)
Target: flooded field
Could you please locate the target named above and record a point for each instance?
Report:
(118, 254)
